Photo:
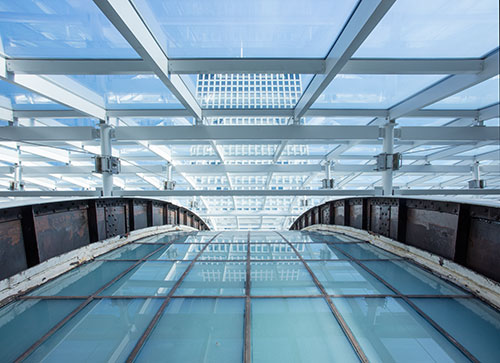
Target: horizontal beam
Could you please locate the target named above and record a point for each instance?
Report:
(250, 133)
(248, 193)
(247, 113)
(245, 65)
(447, 87)
(221, 169)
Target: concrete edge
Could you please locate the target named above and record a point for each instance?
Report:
(55, 266)
(479, 285)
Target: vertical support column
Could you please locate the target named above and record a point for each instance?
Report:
(107, 177)
(476, 172)
(388, 146)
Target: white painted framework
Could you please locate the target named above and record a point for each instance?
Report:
(253, 171)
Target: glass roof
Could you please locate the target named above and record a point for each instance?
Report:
(434, 29)
(234, 80)
(59, 29)
(221, 297)
(371, 91)
(245, 29)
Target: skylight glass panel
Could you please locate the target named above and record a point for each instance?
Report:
(410, 121)
(126, 91)
(372, 91)
(434, 29)
(345, 121)
(237, 29)
(18, 98)
(59, 29)
(481, 95)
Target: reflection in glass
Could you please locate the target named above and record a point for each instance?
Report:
(389, 330)
(132, 251)
(105, 330)
(22, 323)
(214, 278)
(151, 278)
(83, 280)
(474, 324)
(318, 251)
(362, 251)
(197, 330)
(275, 251)
(297, 330)
(410, 279)
(281, 278)
(344, 278)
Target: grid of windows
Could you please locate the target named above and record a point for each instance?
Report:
(248, 91)
(256, 296)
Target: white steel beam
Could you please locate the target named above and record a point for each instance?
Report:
(252, 133)
(246, 193)
(129, 23)
(285, 113)
(54, 91)
(489, 112)
(245, 65)
(364, 19)
(446, 88)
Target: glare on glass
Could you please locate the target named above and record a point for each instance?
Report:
(363, 251)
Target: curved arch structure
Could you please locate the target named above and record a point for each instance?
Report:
(31, 234)
(466, 234)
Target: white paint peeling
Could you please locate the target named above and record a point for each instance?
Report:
(47, 270)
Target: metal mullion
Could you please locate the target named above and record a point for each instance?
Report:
(426, 317)
(247, 349)
(365, 296)
(163, 306)
(88, 300)
(347, 331)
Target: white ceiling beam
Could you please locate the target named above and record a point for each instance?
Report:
(364, 19)
(248, 193)
(129, 23)
(50, 89)
(244, 65)
(251, 133)
(489, 112)
(447, 87)
(285, 113)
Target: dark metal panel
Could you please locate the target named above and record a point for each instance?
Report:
(483, 251)
(101, 223)
(157, 214)
(61, 232)
(12, 250)
(356, 215)
(432, 231)
(115, 221)
(339, 212)
(140, 215)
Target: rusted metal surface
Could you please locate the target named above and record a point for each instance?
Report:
(31, 234)
(464, 233)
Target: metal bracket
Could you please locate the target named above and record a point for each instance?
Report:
(477, 184)
(388, 161)
(327, 183)
(107, 164)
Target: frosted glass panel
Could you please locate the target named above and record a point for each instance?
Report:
(105, 330)
(214, 278)
(343, 277)
(389, 330)
(83, 280)
(362, 251)
(281, 278)
(410, 279)
(197, 330)
(474, 324)
(318, 251)
(297, 330)
(151, 278)
(22, 323)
